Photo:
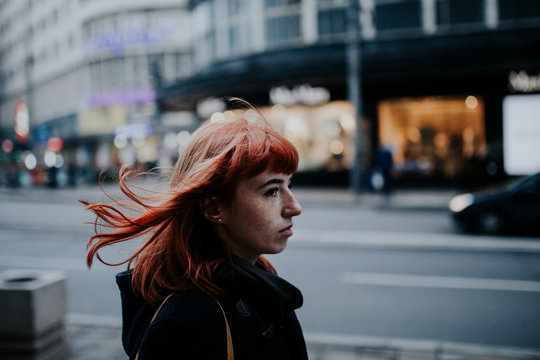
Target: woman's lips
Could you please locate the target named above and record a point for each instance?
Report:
(287, 231)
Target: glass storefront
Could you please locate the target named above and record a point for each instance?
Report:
(323, 134)
(433, 136)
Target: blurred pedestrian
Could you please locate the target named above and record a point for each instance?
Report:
(200, 287)
(382, 174)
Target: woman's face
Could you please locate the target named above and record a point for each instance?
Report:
(259, 219)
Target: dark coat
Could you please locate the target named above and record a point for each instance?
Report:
(259, 307)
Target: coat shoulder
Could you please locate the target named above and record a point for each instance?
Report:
(188, 323)
(191, 307)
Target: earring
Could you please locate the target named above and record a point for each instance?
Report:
(219, 220)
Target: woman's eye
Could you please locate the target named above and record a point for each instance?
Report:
(271, 192)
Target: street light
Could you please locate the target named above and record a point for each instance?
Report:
(354, 90)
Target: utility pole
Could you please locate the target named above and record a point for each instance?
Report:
(354, 91)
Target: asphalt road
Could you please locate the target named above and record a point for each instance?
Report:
(363, 272)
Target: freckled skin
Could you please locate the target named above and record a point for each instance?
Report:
(260, 217)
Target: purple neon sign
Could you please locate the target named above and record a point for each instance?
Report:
(128, 97)
(118, 41)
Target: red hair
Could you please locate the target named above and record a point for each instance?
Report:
(181, 250)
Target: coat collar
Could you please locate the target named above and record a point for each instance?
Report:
(272, 296)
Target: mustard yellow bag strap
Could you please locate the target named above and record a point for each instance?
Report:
(155, 314)
(160, 306)
(230, 350)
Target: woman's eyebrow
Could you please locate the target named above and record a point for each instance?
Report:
(272, 181)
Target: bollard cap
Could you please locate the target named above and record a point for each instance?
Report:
(29, 279)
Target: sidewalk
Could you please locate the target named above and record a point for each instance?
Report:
(95, 340)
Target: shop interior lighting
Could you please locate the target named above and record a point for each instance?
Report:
(30, 161)
(217, 117)
(138, 140)
(279, 111)
(471, 102)
(169, 140)
(336, 147)
(49, 158)
(59, 161)
(347, 122)
(182, 137)
(120, 141)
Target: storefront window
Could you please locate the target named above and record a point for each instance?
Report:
(322, 134)
(433, 136)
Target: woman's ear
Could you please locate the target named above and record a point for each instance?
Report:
(212, 210)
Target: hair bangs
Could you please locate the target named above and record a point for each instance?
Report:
(266, 150)
(283, 156)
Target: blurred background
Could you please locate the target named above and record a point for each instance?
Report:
(450, 87)
(395, 107)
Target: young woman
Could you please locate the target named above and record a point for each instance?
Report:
(199, 288)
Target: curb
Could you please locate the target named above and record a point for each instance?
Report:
(423, 348)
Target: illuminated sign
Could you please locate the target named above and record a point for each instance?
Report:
(523, 82)
(55, 143)
(301, 94)
(208, 106)
(133, 130)
(521, 132)
(98, 121)
(118, 41)
(128, 97)
(22, 121)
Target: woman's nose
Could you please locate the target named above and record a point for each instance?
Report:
(292, 207)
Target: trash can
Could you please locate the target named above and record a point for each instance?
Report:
(32, 313)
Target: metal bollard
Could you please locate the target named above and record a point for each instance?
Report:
(32, 312)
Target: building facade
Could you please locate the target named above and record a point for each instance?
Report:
(78, 83)
(435, 77)
(450, 87)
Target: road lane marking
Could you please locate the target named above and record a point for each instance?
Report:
(389, 239)
(444, 282)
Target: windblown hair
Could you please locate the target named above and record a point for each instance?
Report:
(181, 250)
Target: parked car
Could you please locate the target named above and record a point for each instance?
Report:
(511, 207)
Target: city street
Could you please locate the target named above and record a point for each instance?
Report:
(365, 271)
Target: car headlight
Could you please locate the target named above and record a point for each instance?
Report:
(460, 202)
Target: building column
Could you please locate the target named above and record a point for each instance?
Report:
(492, 14)
(366, 19)
(309, 21)
(221, 29)
(258, 43)
(428, 16)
